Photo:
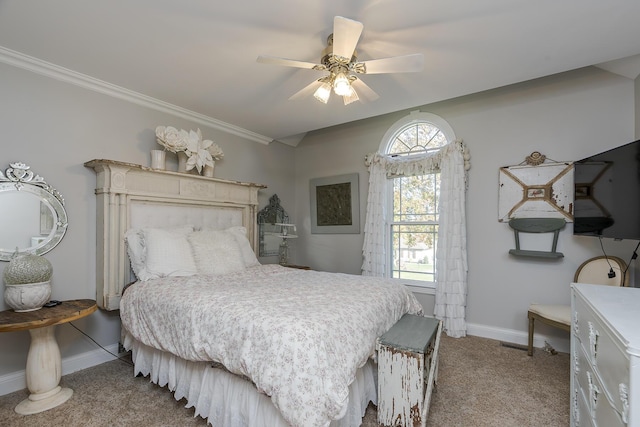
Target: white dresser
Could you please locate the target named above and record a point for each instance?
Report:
(605, 356)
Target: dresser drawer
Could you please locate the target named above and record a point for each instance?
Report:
(602, 348)
(600, 409)
(582, 414)
(615, 385)
(605, 352)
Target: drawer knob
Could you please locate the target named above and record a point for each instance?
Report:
(623, 389)
(594, 391)
(576, 407)
(593, 342)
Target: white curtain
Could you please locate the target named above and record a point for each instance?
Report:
(374, 250)
(452, 161)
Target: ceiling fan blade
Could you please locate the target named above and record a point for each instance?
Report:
(306, 91)
(364, 91)
(346, 33)
(395, 64)
(264, 59)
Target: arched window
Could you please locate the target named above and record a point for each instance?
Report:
(416, 213)
(411, 228)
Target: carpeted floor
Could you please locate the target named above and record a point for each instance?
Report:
(481, 383)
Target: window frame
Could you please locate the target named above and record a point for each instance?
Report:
(413, 118)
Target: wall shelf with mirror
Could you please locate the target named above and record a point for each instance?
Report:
(275, 231)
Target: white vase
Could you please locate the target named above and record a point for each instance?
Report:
(208, 170)
(27, 296)
(182, 162)
(158, 159)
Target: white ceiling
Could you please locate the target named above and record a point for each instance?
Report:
(200, 55)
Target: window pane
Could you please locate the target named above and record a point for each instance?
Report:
(415, 198)
(412, 226)
(414, 251)
(417, 138)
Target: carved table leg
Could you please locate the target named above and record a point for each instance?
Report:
(43, 372)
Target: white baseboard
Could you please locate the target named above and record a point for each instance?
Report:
(518, 337)
(17, 380)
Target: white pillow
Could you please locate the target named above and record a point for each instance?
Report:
(134, 238)
(248, 255)
(138, 251)
(216, 252)
(168, 253)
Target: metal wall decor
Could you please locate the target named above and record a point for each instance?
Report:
(335, 205)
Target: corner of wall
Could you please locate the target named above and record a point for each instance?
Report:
(637, 106)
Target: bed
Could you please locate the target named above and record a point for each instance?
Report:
(245, 344)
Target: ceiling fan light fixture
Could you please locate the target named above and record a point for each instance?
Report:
(340, 59)
(323, 93)
(351, 97)
(341, 85)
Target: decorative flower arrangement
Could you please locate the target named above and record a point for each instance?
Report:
(172, 139)
(200, 153)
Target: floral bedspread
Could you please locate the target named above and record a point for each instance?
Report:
(299, 335)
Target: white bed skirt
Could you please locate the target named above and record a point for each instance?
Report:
(227, 400)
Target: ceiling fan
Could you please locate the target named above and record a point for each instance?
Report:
(340, 59)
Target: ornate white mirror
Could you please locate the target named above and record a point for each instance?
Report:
(33, 218)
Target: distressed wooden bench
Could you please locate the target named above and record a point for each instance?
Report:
(407, 370)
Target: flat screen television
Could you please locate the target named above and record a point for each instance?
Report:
(607, 193)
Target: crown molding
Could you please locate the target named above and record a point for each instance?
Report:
(38, 66)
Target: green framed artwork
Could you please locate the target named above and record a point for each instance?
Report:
(335, 205)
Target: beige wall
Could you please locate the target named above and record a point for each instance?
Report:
(637, 105)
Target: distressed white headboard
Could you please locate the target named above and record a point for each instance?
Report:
(131, 196)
